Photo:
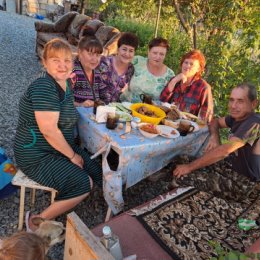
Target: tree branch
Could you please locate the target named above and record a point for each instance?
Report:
(194, 36)
(181, 18)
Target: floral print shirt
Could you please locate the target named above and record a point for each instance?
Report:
(144, 82)
(111, 84)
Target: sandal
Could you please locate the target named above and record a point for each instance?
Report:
(27, 219)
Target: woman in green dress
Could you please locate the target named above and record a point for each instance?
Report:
(150, 73)
(44, 145)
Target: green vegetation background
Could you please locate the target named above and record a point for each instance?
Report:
(226, 31)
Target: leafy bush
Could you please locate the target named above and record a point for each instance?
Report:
(145, 32)
(227, 33)
(224, 254)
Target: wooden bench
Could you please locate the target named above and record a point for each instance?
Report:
(20, 179)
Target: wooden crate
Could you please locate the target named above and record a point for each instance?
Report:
(81, 244)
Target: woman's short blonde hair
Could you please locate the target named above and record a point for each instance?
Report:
(23, 246)
(54, 46)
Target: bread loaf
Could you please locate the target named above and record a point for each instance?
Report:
(170, 123)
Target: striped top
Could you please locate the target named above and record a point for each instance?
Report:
(36, 157)
(82, 89)
(44, 94)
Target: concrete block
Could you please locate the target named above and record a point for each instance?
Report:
(11, 6)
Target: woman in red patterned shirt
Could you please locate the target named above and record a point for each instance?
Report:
(187, 90)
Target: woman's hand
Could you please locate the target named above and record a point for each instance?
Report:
(78, 160)
(181, 77)
(48, 125)
(176, 79)
(88, 103)
(124, 88)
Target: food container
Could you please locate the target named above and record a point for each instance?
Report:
(147, 119)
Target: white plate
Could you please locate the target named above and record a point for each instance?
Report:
(188, 116)
(166, 104)
(144, 133)
(168, 131)
(123, 117)
(127, 105)
(196, 126)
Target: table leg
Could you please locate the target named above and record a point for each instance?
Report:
(109, 214)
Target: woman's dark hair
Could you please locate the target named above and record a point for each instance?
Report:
(89, 42)
(159, 42)
(128, 38)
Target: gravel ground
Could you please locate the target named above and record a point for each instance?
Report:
(18, 67)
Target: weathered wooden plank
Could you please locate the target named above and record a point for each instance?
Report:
(80, 243)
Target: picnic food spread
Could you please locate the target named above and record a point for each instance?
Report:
(149, 116)
(173, 113)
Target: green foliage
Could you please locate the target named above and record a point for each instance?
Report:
(227, 32)
(226, 254)
(144, 31)
(228, 35)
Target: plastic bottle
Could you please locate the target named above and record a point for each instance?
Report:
(111, 243)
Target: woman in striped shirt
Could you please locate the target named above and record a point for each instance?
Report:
(44, 145)
(85, 76)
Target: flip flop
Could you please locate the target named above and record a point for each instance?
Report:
(27, 218)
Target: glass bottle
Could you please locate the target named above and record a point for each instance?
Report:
(111, 243)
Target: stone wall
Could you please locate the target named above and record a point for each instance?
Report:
(38, 6)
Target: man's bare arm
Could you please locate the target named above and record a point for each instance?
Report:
(214, 127)
(215, 155)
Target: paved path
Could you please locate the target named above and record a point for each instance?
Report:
(18, 67)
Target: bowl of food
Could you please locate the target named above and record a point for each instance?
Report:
(148, 113)
(148, 130)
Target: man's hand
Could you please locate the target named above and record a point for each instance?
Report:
(181, 170)
(213, 143)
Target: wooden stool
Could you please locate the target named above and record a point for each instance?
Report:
(20, 179)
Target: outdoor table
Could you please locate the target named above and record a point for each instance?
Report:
(139, 157)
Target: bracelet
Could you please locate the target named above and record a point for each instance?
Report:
(72, 156)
